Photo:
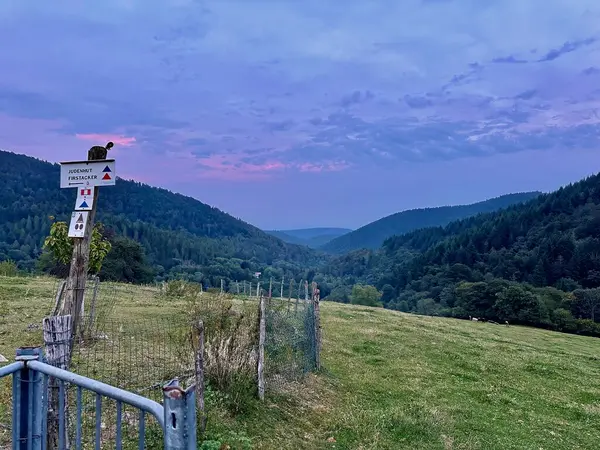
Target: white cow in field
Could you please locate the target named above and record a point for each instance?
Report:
(474, 319)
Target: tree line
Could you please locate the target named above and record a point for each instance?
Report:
(536, 263)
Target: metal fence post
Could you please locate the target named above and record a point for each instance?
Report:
(29, 401)
(180, 417)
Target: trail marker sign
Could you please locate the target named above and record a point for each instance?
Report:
(79, 220)
(76, 174)
(85, 199)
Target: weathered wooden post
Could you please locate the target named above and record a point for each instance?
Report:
(59, 295)
(262, 328)
(281, 292)
(58, 331)
(306, 291)
(297, 298)
(258, 289)
(87, 177)
(270, 287)
(221, 286)
(290, 293)
(200, 377)
(92, 318)
(316, 297)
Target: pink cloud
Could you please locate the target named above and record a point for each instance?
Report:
(332, 166)
(230, 168)
(103, 138)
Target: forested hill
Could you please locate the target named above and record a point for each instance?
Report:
(372, 235)
(536, 263)
(177, 232)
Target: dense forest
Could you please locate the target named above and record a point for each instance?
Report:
(179, 235)
(372, 235)
(536, 263)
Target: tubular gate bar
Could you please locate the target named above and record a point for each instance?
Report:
(177, 417)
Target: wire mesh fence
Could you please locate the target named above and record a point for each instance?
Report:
(137, 355)
(141, 354)
(290, 344)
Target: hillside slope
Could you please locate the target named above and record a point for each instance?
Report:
(536, 263)
(311, 237)
(175, 230)
(372, 235)
(391, 381)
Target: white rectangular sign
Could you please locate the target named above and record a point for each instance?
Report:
(85, 199)
(78, 224)
(87, 173)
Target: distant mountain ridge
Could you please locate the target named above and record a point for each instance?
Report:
(310, 237)
(372, 235)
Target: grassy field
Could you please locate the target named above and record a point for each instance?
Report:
(391, 381)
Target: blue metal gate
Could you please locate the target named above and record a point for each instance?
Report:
(30, 389)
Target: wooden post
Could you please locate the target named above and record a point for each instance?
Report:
(297, 298)
(262, 327)
(290, 293)
(306, 291)
(270, 287)
(317, 316)
(200, 377)
(81, 254)
(221, 286)
(59, 295)
(92, 317)
(281, 292)
(58, 335)
(257, 289)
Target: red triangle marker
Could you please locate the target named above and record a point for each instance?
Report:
(106, 177)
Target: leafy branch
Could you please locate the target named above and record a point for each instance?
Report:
(61, 246)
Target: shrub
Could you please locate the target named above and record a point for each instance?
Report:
(8, 269)
(365, 295)
(230, 338)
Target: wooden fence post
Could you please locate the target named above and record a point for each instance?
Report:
(281, 293)
(258, 289)
(59, 295)
(306, 291)
(57, 343)
(200, 377)
(262, 328)
(270, 287)
(92, 317)
(290, 293)
(298, 297)
(317, 319)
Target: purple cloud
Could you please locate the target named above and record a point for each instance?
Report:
(247, 92)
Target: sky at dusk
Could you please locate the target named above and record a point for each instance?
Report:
(298, 113)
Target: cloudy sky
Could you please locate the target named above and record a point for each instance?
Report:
(294, 113)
